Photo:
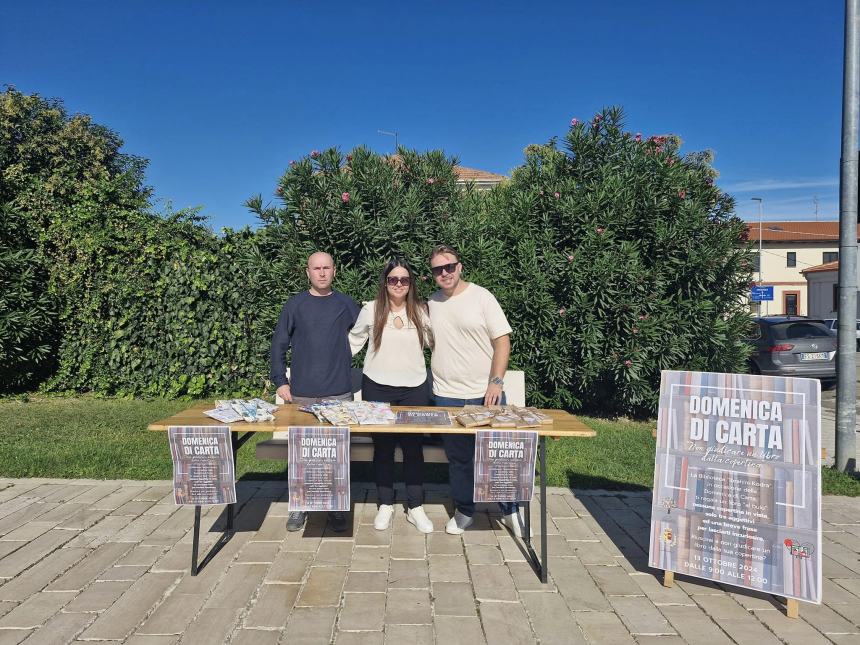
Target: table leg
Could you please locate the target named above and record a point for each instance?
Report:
(527, 513)
(544, 564)
(196, 544)
(234, 444)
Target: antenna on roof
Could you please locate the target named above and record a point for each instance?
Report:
(815, 201)
(392, 134)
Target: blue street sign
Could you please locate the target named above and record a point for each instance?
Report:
(760, 294)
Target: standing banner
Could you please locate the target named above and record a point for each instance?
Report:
(203, 468)
(319, 468)
(737, 481)
(505, 465)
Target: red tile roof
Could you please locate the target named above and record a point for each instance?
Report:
(830, 266)
(465, 174)
(472, 174)
(794, 231)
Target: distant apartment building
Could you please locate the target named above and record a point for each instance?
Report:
(789, 249)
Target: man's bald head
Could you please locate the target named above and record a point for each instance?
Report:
(320, 273)
(320, 257)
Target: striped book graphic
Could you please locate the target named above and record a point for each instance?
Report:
(737, 481)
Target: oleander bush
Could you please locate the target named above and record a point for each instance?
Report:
(613, 256)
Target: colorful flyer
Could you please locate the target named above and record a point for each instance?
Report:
(203, 469)
(319, 468)
(737, 482)
(505, 465)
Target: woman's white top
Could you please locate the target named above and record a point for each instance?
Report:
(400, 359)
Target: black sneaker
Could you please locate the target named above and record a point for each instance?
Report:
(337, 521)
(296, 520)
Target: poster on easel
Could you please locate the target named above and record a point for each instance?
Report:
(318, 469)
(737, 482)
(203, 468)
(505, 465)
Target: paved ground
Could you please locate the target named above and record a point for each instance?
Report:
(84, 561)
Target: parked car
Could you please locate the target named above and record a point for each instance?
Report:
(793, 346)
(831, 325)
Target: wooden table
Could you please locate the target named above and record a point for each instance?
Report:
(564, 425)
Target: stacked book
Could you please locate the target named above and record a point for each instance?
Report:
(506, 416)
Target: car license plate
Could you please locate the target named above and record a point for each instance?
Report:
(813, 356)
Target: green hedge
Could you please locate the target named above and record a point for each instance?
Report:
(614, 258)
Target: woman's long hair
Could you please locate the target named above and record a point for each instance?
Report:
(416, 309)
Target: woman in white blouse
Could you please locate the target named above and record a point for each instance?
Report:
(397, 327)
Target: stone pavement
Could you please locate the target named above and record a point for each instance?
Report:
(107, 561)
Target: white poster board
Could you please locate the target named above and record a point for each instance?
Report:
(737, 481)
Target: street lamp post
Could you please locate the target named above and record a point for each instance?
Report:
(760, 258)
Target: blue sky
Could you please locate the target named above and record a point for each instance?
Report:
(221, 96)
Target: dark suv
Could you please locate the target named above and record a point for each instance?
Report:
(793, 346)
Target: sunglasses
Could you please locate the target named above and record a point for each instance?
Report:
(447, 268)
(393, 282)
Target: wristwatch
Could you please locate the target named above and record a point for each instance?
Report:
(497, 380)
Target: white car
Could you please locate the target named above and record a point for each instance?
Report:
(831, 325)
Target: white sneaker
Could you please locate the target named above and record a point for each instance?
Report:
(383, 517)
(459, 523)
(419, 518)
(516, 524)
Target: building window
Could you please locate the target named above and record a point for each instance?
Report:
(829, 256)
(791, 259)
(835, 297)
(790, 304)
(756, 263)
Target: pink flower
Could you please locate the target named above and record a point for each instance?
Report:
(431, 181)
(682, 194)
(423, 278)
(643, 317)
(570, 258)
(345, 198)
(292, 162)
(600, 230)
(710, 182)
(556, 194)
(574, 123)
(670, 161)
(315, 154)
(279, 190)
(597, 118)
(628, 363)
(638, 137)
(349, 157)
(562, 311)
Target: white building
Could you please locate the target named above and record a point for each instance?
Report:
(788, 249)
(822, 282)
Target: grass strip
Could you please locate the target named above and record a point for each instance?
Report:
(100, 438)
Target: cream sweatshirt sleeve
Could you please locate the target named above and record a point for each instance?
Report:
(360, 332)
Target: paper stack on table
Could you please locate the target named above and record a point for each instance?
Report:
(250, 410)
(344, 413)
(371, 413)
